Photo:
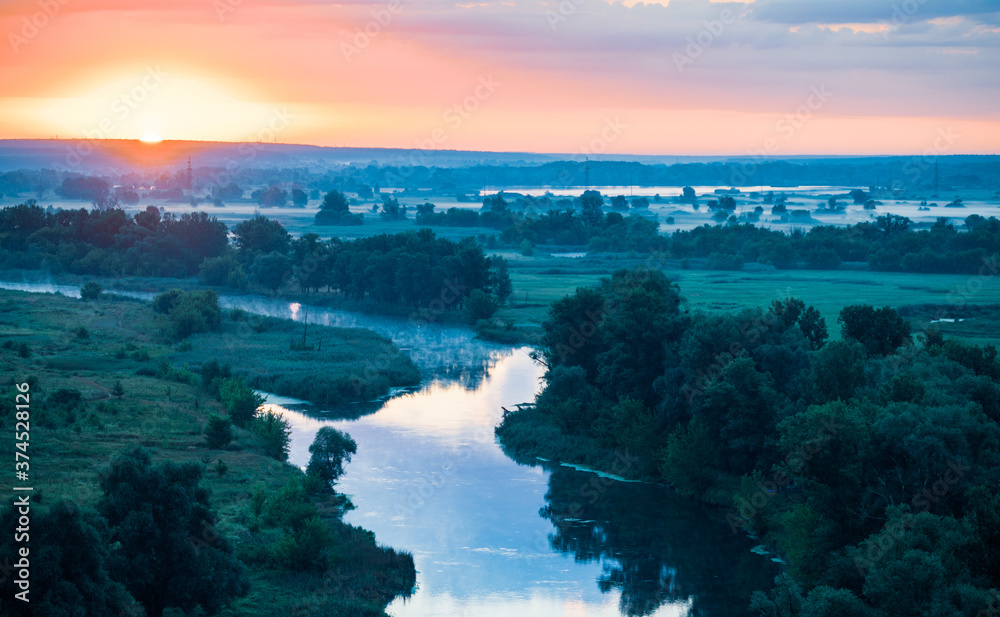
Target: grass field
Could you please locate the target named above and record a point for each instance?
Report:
(69, 343)
(541, 280)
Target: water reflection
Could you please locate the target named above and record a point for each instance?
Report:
(491, 537)
(442, 352)
(654, 548)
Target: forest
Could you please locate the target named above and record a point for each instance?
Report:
(869, 463)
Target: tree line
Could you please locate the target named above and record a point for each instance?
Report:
(889, 244)
(108, 242)
(411, 269)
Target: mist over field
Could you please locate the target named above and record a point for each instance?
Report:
(410, 309)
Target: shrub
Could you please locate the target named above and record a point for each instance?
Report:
(220, 271)
(304, 548)
(240, 401)
(479, 305)
(218, 432)
(189, 312)
(274, 434)
(91, 291)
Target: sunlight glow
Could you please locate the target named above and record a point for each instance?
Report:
(146, 103)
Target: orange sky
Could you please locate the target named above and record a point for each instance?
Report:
(573, 76)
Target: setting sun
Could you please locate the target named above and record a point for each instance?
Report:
(151, 138)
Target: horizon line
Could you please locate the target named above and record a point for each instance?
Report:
(603, 156)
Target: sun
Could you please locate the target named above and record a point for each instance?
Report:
(150, 138)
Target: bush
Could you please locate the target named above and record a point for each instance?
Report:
(344, 219)
(218, 432)
(274, 433)
(221, 271)
(304, 548)
(683, 463)
(723, 261)
(91, 291)
(189, 312)
(479, 305)
(239, 400)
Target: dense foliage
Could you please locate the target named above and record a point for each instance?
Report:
(871, 464)
(154, 555)
(415, 269)
(108, 242)
(888, 244)
(532, 221)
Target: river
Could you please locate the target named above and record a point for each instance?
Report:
(491, 537)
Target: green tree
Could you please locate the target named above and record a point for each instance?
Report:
(881, 331)
(500, 284)
(220, 270)
(795, 312)
(239, 400)
(479, 305)
(335, 202)
(166, 550)
(739, 408)
(836, 372)
(590, 207)
(272, 196)
(69, 559)
(218, 432)
(330, 450)
(688, 458)
(274, 433)
(91, 291)
(271, 270)
(335, 210)
(259, 235)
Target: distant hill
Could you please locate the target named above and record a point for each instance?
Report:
(118, 155)
(33, 166)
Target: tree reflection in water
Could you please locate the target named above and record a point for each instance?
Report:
(656, 549)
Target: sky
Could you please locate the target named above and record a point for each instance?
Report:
(684, 77)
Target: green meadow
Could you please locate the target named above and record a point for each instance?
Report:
(137, 387)
(538, 281)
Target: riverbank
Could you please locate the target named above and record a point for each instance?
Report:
(89, 400)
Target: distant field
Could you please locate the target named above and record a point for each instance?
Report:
(299, 221)
(544, 280)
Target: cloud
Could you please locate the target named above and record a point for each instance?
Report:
(867, 11)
